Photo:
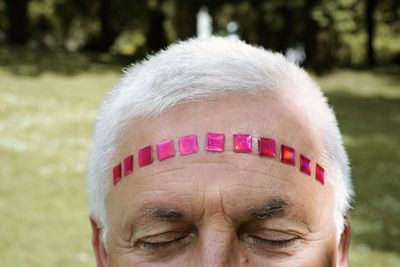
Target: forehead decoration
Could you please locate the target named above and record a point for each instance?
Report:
(215, 142)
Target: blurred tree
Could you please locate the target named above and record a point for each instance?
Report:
(185, 18)
(76, 21)
(18, 22)
(107, 14)
(277, 25)
(386, 40)
(310, 33)
(331, 32)
(370, 7)
(330, 29)
(156, 38)
(107, 31)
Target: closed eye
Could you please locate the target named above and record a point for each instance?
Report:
(165, 242)
(270, 240)
(271, 244)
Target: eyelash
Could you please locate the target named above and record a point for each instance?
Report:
(162, 245)
(276, 244)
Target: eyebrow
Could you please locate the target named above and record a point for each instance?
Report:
(272, 209)
(162, 213)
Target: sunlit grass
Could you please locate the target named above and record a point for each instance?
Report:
(368, 108)
(382, 82)
(45, 131)
(46, 120)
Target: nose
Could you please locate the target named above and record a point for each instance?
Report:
(219, 248)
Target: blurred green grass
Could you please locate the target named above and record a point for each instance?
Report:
(48, 104)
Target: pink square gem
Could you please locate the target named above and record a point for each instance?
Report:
(242, 143)
(266, 147)
(319, 173)
(165, 149)
(305, 164)
(145, 156)
(128, 165)
(117, 174)
(188, 144)
(288, 155)
(215, 142)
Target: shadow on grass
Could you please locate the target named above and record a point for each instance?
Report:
(371, 127)
(21, 61)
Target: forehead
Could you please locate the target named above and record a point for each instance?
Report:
(263, 114)
(245, 175)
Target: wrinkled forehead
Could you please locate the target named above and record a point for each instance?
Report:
(181, 176)
(263, 114)
(260, 115)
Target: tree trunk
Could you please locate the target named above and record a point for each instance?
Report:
(263, 35)
(370, 7)
(18, 21)
(262, 29)
(156, 37)
(107, 33)
(186, 18)
(310, 34)
(286, 32)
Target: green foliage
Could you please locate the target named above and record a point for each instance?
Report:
(332, 32)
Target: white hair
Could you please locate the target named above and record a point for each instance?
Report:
(205, 67)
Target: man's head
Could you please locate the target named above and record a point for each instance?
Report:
(218, 209)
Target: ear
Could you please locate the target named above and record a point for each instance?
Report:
(343, 253)
(97, 244)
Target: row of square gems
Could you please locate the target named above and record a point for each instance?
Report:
(242, 143)
(215, 142)
(165, 150)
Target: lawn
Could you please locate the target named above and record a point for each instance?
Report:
(48, 103)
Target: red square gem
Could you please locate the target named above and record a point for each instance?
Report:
(117, 174)
(266, 147)
(165, 149)
(128, 165)
(242, 143)
(319, 173)
(305, 164)
(288, 155)
(188, 144)
(215, 142)
(145, 156)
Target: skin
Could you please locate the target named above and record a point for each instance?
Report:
(222, 209)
